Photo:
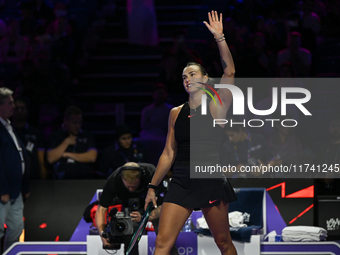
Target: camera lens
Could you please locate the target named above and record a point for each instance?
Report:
(134, 204)
(120, 227)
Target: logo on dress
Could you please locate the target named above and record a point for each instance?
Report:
(204, 97)
(211, 202)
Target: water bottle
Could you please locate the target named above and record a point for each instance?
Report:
(187, 225)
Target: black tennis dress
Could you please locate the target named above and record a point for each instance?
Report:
(205, 142)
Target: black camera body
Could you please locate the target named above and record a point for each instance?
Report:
(117, 227)
(121, 225)
(134, 204)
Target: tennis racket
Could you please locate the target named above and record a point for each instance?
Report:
(139, 232)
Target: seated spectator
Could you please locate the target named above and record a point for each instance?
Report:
(300, 58)
(123, 151)
(242, 148)
(154, 123)
(71, 150)
(32, 139)
(13, 47)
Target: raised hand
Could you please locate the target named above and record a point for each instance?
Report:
(215, 24)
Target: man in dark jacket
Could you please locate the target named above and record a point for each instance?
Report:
(14, 174)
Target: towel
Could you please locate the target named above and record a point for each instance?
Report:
(303, 234)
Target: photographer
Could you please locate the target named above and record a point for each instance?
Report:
(127, 185)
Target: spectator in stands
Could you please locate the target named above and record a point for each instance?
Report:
(154, 123)
(32, 139)
(123, 151)
(242, 148)
(13, 47)
(72, 150)
(300, 58)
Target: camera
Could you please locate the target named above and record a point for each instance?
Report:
(118, 226)
(134, 204)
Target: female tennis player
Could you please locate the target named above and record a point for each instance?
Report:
(185, 194)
